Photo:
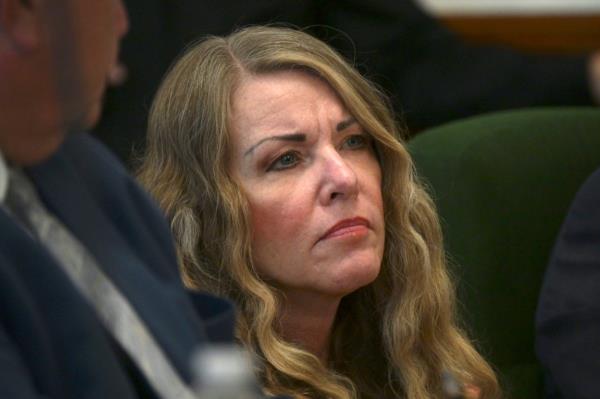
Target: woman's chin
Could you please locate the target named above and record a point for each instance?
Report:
(354, 276)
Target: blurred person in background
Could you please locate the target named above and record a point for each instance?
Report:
(431, 74)
(91, 301)
(568, 314)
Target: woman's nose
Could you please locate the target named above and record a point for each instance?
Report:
(339, 180)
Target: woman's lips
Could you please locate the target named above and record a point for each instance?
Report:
(354, 227)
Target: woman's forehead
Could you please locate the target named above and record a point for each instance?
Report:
(282, 97)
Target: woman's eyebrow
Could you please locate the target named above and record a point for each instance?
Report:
(345, 124)
(297, 137)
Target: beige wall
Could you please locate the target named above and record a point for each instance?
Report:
(464, 7)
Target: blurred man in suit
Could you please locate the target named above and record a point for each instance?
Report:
(568, 314)
(91, 304)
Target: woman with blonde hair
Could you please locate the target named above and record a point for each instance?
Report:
(289, 191)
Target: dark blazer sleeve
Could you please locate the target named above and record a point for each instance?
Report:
(434, 76)
(568, 316)
(15, 378)
(51, 345)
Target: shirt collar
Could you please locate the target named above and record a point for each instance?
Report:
(3, 178)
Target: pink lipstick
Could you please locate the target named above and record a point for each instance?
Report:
(355, 227)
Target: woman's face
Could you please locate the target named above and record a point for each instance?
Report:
(313, 183)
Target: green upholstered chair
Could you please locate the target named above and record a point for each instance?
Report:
(502, 183)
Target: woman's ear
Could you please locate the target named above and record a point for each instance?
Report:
(20, 23)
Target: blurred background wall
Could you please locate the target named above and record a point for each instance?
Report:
(444, 7)
(543, 26)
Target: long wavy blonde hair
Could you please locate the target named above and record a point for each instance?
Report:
(391, 339)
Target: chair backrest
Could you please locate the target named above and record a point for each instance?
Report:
(502, 183)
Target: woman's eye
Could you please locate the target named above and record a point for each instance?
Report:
(285, 161)
(355, 141)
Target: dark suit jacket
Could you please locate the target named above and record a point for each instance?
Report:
(51, 343)
(568, 316)
(432, 75)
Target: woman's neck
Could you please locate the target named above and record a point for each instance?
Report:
(308, 321)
